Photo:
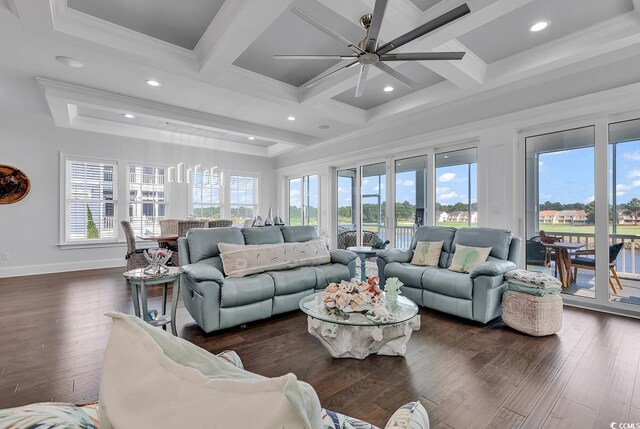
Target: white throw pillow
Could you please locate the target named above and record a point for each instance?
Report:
(427, 253)
(153, 379)
(467, 258)
(241, 260)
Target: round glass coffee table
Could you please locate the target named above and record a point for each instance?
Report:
(357, 335)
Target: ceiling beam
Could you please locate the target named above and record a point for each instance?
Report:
(238, 24)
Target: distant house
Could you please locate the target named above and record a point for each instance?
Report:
(566, 217)
(463, 217)
(625, 219)
(548, 216)
(442, 216)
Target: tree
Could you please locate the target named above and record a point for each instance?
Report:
(591, 212)
(632, 208)
(92, 229)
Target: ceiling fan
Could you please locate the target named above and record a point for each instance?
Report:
(367, 53)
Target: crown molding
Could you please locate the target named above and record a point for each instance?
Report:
(63, 99)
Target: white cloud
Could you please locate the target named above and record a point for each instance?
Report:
(632, 156)
(590, 199)
(294, 193)
(406, 182)
(376, 188)
(365, 182)
(447, 177)
(341, 189)
(622, 187)
(619, 193)
(446, 194)
(633, 173)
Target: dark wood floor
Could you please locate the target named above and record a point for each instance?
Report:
(53, 334)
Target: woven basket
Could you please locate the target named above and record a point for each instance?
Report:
(533, 315)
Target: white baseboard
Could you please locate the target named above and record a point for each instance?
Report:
(28, 270)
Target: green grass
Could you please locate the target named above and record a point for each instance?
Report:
(589, 229)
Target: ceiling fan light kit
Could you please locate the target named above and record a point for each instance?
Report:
(367, 53)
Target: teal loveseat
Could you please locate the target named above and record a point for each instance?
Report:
(218, 302)
(476, 295)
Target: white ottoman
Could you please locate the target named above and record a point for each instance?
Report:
(533, 315)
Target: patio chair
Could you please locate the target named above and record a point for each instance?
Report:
(549, 239)
(134, 257)
(537, 254)
(587, 263)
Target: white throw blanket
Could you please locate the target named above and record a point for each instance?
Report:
(533, 279)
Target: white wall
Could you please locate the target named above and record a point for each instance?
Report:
(30, 229)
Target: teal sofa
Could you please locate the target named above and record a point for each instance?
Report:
(476, 295)
(218, 302)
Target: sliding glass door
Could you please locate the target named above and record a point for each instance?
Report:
(624, 212)
(347, 207)
(457, 188)
(411, 198)
(373, 201)
(560, 207)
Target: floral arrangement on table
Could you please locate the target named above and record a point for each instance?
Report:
(157, 259)
(354, 295)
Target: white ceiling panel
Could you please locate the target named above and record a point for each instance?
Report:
(291, 35)
(181, 23)
(510, 34)
(374, 94)
(425, 5)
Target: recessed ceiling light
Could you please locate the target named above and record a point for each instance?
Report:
(128, 116)
(152, 82)
(291, 118)
(70, 62)
(252, 138)
(324, 127)
(388, 88)
(539, 26)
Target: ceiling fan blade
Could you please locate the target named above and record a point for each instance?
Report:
(315, 57)
(425, 28)
(362, 79)
(335, 70)
(423, 56)
(311, 20)
(376, 24)
(397, 75)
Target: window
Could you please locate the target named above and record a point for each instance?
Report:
(303, 200)
(243, 198)
(147, 199)
(411, 198)
(90, 206)
(456, 188)
(205, 195)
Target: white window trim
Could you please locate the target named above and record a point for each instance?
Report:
(166, 186)
(302, 195)
(227, 190)
(222, 195)
(105, 242)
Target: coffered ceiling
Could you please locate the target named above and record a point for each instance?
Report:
(222, 88)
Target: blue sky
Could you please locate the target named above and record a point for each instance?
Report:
(568, 177)
(564, 176)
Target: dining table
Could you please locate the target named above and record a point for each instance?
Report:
(169, 239)
(563, 252)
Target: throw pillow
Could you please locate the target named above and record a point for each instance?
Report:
(427, 253)
(152, 379)
(466, 258)
(411, 415)
(240, 260)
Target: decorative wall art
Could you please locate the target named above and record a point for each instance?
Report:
(14, 184)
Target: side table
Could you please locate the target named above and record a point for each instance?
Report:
(139, 278)
(363, 253)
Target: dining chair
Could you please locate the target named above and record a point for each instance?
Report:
(183, 227)
(220, 223)
(581, 260)
(134, 257)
